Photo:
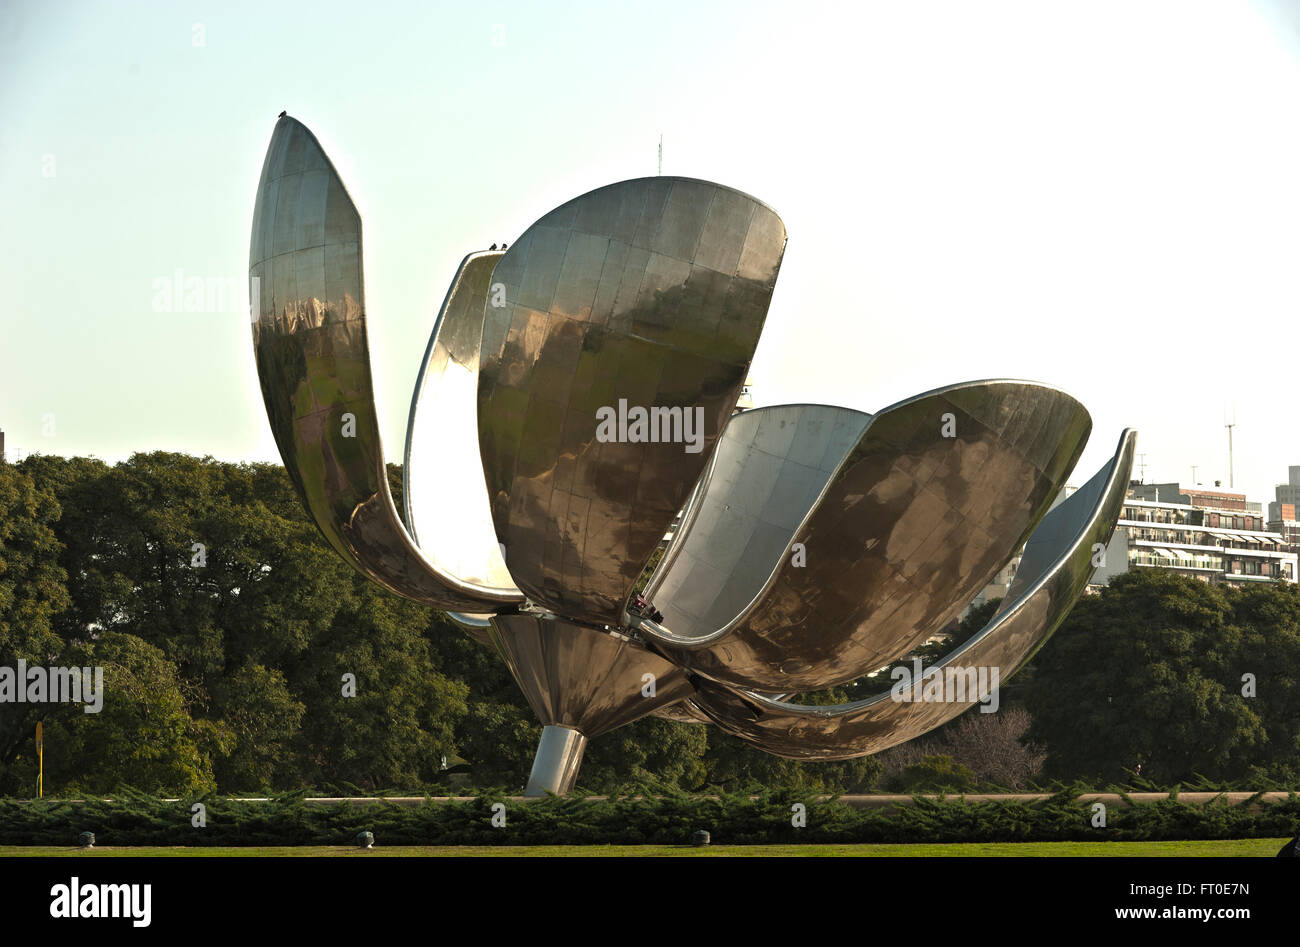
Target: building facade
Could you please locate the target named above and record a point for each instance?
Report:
(1284, 512)
(1217, 537)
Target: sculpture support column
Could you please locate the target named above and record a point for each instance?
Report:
(559, 755)
(581, 682)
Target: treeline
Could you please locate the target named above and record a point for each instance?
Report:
(227, 630)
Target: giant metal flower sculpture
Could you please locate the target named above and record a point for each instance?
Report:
(578, 392)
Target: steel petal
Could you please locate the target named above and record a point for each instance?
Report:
(897, 529)
(648, 294)
(309, 338)
(1058, 562)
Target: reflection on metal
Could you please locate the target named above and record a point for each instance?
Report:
(681, 712)
(442, 461)
(640, 295)
(559, 755)
(767, 473)
(1055, 568)
(820, 543)
(476, 626)
(584, 678)
(309, 336)
(899, 526)
(472, 622)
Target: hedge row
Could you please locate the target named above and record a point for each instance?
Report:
(134, 819)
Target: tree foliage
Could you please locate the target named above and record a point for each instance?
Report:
(241, 654)
(1150, 674)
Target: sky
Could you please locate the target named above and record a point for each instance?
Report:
(1101, 196)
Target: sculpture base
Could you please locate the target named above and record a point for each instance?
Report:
(559, 755)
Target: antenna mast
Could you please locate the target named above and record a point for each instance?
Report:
(1230, 425)
(661, 153)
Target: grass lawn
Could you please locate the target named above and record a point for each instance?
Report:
(1246, 848)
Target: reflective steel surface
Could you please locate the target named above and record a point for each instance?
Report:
(309, 336)
(584, 678)
(767, 473)
(899, 526)
(475, 626)
(574, 390)
(645, 294)
(1055, 568)
(445, 495)
(682, 712)
(555, 767)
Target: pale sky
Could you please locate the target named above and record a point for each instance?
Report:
(1103, 196)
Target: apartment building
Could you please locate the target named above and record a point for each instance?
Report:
(1216, 536)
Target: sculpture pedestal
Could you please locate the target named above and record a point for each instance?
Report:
(559, 755)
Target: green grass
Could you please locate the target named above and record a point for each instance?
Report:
(1246, 848)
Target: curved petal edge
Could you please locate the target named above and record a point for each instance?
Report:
(1058, 562)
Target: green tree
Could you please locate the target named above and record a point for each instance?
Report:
(32, 594)
(1269, 618)
(498, 735)
(649, 750)
(937, 773)
(32, 581)
(733, 764)
(142, 737)
(1145, 673)
(402, 720)
(259, 720)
